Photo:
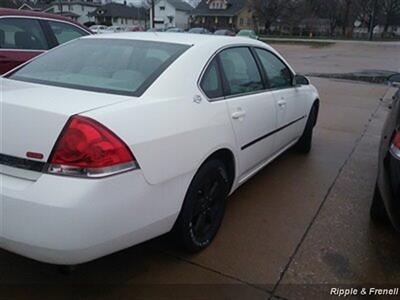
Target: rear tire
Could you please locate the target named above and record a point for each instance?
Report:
(378, 210)
(305, 142)
(204, 207)
(66, 270)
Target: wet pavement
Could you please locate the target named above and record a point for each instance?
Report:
(296, 229)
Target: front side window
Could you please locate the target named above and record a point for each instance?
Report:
(22, 33)
(211, 82)
(241, 71)
(104, 65)
(278, 74)
(65, 32)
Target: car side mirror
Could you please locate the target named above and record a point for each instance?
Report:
(301, 80)
(394, 80)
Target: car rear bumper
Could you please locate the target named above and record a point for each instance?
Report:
(389, 186)
(65, 220)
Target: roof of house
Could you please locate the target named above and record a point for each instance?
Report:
(234, 7)
(119, 10)
(41, 6)
(95, 4)
(180, 5)
(38, 6)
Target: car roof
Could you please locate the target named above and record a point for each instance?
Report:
(36, 14)
(170, 37)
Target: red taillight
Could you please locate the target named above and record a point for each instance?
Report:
(87, 148)
(395, 147)
(396, 140)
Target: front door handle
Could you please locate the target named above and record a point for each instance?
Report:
(238, 115)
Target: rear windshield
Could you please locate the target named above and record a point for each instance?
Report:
(126, 67)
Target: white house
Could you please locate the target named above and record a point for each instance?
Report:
(121, 15)
(172, 13)
(77, 10)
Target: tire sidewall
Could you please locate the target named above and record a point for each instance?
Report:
(183, 228)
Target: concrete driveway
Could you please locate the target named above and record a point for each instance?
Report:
(300, 224)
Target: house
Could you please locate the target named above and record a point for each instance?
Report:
(31, 5)
(77, 10)
(233, 14)
(315, 27)
(362, 27)
(121, 14)
(172, 13)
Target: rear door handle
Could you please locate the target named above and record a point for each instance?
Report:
(239, 114)
(282, 103)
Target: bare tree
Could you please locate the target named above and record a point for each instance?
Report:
(293, 13)
(268, 11)
(367, 12)
(348, 18)
(390, 13)
(336, 11)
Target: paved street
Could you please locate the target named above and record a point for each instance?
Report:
(301, 222)
(343, 57)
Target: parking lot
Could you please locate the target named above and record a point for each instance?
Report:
(301, 223)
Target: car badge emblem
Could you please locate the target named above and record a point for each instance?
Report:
(197, 99)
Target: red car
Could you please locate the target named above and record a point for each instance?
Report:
(26, 34)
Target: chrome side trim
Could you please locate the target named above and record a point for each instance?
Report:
(90, 173)
(395, 151)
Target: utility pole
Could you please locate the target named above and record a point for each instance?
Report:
(372, 20)
(152, 14)
(61, 7)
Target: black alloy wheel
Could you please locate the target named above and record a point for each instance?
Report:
(204, 207)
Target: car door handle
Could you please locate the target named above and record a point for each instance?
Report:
(239, 114)
(282, 103)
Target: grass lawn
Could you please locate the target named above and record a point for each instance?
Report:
(311, 43)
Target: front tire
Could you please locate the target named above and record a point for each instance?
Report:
(305, 142)
(204, 207)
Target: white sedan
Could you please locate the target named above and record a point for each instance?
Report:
(111, 140)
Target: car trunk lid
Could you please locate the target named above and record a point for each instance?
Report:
(33, 115)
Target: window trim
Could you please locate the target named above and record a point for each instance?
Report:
(292, 75)
(219, 74)
(226, 89)
(39, 19)
(225, 97)
(52, 35)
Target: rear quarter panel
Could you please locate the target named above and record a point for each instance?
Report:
(392, 122)
(168, 132)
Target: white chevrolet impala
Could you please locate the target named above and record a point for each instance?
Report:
(111, 140)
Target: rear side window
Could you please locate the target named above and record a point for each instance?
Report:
(241, 71)
(211, 82)
(22, 33)
(65, 32)
(104, 65)
(278, 74)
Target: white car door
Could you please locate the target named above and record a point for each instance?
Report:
(251, 108)
(290, 99)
